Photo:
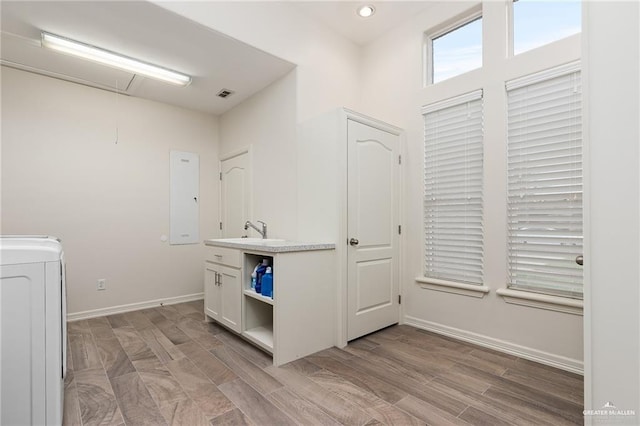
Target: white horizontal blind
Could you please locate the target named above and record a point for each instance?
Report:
(545, 182)
(453, 189)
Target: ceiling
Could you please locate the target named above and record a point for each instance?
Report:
(214, 60)
(342, 18)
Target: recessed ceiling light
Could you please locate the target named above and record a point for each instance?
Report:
(366, 11)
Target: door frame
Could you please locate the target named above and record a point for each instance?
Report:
(228, 156)
(342, 243)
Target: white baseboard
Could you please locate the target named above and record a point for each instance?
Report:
(563, 363)
(76, 316)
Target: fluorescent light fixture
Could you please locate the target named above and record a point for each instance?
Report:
(112, 59)
(366, 11)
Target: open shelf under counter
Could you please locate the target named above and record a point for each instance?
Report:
(258, 296)
(301, 319)
(261, 336)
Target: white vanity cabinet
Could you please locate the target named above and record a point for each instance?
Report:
(222, 287)
(300, 318)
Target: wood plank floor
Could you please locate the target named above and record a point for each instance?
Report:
(166, 366)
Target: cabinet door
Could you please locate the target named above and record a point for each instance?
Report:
(212, 291)
(231, 298)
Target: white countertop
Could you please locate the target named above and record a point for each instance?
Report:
(270, 245)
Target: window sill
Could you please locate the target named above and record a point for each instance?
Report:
(452, 287)
(541, 301)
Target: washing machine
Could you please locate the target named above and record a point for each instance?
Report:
(32, 330)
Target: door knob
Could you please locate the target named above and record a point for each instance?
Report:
(580, 260)
(354, 242)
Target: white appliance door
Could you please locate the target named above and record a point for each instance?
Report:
(22, 347)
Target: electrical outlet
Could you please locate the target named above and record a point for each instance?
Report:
(102, 284)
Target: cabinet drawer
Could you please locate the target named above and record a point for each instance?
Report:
(224, 256)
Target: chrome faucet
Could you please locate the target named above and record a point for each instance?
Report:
(262, 231)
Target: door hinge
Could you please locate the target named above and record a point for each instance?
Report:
(399, 299)
(399, 159)
(220, 175)
(221, 226)
(399, 229)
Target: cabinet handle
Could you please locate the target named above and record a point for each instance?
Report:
(217, 278)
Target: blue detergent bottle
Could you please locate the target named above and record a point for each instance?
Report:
(267, 283)
(259, 273)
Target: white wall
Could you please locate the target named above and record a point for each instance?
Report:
(612, 302)
(327, 64)
(393, 91)
(123, 205)
(384, 80)
(64, 175)
(326, 78)
(266, 123)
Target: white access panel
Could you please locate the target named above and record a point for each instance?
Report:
(184, 197)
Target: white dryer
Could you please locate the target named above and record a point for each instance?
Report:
(33, 330)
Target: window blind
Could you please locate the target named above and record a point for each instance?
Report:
(453, 168)
(544, 185)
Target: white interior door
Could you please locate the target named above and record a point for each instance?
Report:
(373, 228)
(235, 194)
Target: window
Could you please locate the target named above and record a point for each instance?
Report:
(453, 189)
(544, 188)
(455, 51)
(536, 23)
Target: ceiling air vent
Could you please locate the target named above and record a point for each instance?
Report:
(225, 93)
